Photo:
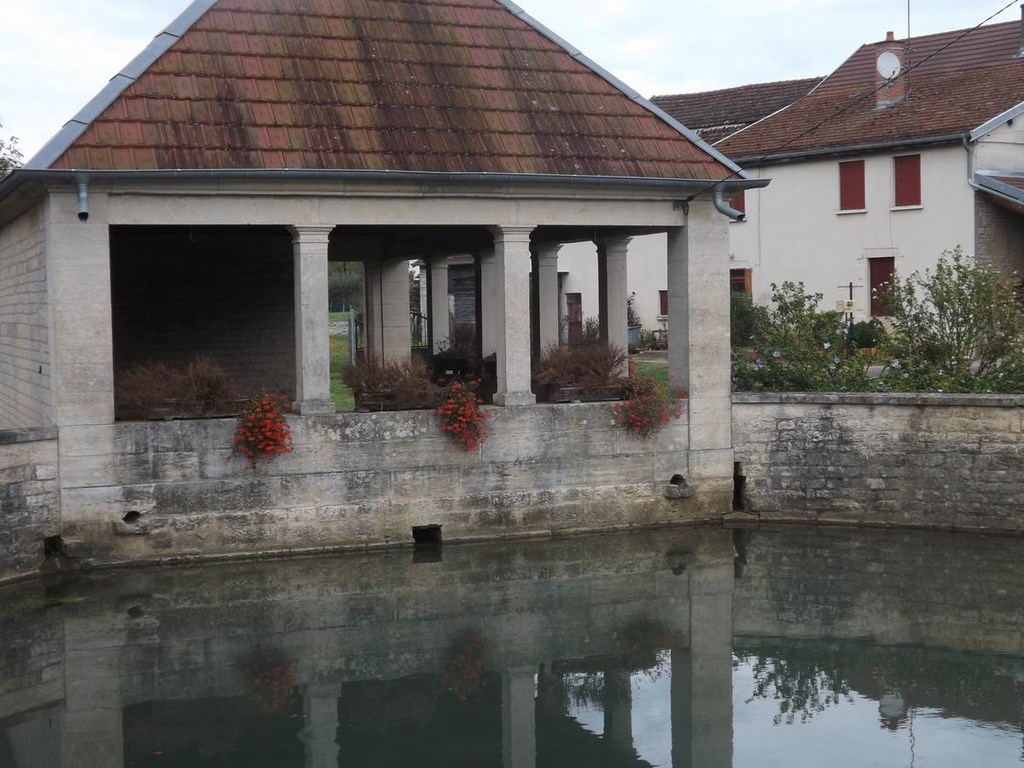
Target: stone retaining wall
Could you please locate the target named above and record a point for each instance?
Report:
(29, 509)
(136, 491)
(929, 460)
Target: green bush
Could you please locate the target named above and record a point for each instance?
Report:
(957, 329)
(796, 348)
(867, 334)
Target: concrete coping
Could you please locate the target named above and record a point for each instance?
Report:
(880, 398)
(29, 435)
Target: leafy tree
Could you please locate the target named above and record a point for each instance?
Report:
(10, 155)
(792, 347)
(957, 329)
(345, 286)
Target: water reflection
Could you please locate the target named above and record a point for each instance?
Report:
(852, 648)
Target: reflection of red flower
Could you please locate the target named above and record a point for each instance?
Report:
(269, 681)
(464, 671)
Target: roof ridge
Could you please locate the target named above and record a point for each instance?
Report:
(792, 81)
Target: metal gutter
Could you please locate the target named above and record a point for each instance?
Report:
(1010, 114)
(573, 51)
(77, 125)
(852, 149)
(77, 176)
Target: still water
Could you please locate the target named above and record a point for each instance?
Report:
(703, 648)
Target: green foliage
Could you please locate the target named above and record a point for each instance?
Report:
(957, 329)
(795, 348)
(10, 155)
(344, 285)
(745, 318)
(867, 334)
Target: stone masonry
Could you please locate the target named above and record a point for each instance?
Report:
(920, 460)
(29, 508)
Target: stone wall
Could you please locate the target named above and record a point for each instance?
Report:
(999, 236)
(174, 488)
(29, 508)
(929, 460)
(24, 325)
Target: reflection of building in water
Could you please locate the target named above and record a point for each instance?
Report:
(157, 662)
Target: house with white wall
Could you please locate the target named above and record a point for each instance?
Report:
(910, 148)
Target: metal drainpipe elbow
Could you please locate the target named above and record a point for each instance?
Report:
(83, 198)
(723, 208)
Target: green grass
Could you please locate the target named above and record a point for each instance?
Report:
(338, 317)
(341, 395)
(656, 371)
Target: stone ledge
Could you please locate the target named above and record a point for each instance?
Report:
(878, 398)
(31, 435)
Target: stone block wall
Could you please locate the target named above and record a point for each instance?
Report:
(24, 324)
(29, 500)
(929, 460)
(168, 489)
(999, 236)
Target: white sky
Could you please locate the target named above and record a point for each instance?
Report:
(55, 55)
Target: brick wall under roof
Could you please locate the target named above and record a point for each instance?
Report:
(424, 85)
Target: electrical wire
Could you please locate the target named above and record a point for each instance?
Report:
(827, 119)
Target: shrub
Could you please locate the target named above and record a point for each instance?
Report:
(589, 366)
(461, 416)
(745, 318)
(198, 388)
(262, 433)
(957, 329)
(867, 334)
(461, 343)
(405, 382)
(649, 405)
(796, 348)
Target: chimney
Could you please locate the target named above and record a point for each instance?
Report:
(890, 73)
(1020, 53)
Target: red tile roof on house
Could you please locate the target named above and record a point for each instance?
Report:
(406, 85)
(713, 115)
(958, 85)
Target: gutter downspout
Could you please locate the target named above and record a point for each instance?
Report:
(725, 209)
(82, 185)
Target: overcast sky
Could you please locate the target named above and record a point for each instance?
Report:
(55, 55)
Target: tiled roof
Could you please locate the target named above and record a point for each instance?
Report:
(967, 83)
(713, 115)
(411, 85)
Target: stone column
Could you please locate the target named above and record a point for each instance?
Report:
(395, 318)
(487, 299)
(312, 343)
(518, 718)
(611, 260)
(440, 326)
(372, 302)
(320, 725)
(698, 333)
(512, 309)
(547, 294)
(618, 710)
(701, 686)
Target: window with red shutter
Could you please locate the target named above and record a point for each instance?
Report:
(851, 185)
(908, 180)
(663, 302)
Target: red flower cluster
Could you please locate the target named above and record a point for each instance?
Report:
(464, 671)
(270, 682)
(461, 416)
(262, 432)
(649, 406)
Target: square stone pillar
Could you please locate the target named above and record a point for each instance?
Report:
(82, 345)
(510, 291)
(320, 725)
(611, 265)
(547, 294)
(518, 718)
(372, 313)
(312, 339)
(395, 309)
(698, 335)
(440, 326)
